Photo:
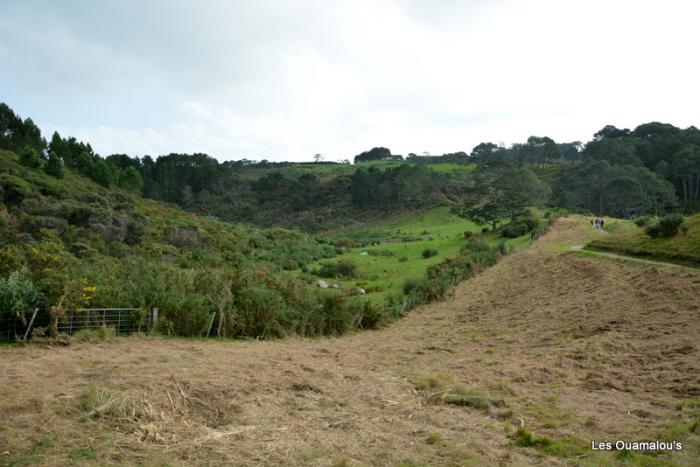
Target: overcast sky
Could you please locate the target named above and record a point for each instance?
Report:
(283, 80)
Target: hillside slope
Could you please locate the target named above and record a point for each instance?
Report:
(68, 243)
(579, 348)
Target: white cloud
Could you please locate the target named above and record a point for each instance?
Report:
(287, 79)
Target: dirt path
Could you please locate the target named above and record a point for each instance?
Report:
(577, 346)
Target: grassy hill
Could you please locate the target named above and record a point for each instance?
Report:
(70, 243)
(626, 237)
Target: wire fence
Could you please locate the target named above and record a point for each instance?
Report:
(122, 320)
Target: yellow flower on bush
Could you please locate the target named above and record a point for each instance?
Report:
(88, 291)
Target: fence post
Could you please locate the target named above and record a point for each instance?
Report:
(211, 323)
(31, 322)
(153, 319)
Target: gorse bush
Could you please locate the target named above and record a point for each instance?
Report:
(666, 227)
(429, 253)
(643, 221)
(342, 268)
(520, 226)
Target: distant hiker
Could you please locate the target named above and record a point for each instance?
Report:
(592, 223)
(602, 223)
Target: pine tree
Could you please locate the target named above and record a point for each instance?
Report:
(54, 166)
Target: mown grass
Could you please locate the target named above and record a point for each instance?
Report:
(626, 238)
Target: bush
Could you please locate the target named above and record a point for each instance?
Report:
(14, 189)
(410, 285)
(29, 158)
(642, 221)
(337, 314)
(429, 253)
(468, 234)
(666, 227)
(18, 295)
(262, 313)
(520, 226)
(342, 268)
(403, 259)
(485, 230)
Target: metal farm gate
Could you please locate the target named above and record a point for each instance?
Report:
(122, 320)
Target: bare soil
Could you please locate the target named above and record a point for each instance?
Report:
(583, 346)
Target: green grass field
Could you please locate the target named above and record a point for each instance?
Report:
(339, 169)
(390, 252)
(628, 239)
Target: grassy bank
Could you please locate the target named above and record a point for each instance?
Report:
(626, 238)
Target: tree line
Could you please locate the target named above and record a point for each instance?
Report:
(652, 169)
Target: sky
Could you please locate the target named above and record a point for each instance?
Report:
(287, 79)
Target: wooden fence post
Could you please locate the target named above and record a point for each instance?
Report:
(31, 322)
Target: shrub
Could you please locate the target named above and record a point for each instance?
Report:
(642, 221)
(342, 268)
(403, 259)
(468, 234)
(262, 312)
(14, 189)
(520, 226)
(429, 253)
(29, 158)
(410, 285)
(18, 295)
(485, 230)
(373, 316)
(337, 314)
(666, 227)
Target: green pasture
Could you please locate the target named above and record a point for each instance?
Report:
(390, 252)
(338, 169)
